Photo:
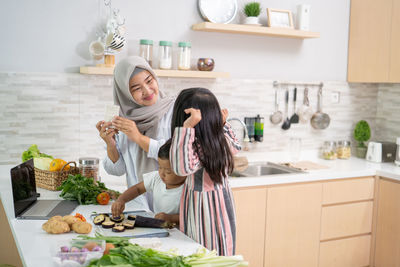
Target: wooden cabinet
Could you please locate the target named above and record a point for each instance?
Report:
(374, 41)
(250, 224)
(335, 192)
(387, 246)
(293, 225)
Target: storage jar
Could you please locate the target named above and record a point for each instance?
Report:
(146, 50)
(165, 55)
(89, 167)
(184, 55)
(329, 150)
(343, 150)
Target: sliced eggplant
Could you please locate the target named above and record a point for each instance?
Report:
(132, 217)
(99, 219)
(129, 225)
(118, 219)
(108, 224)
(118, 228)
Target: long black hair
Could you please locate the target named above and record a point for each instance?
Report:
(215, 155)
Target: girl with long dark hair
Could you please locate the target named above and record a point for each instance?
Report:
(202, 148)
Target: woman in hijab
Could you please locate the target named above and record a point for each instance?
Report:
(134, 137)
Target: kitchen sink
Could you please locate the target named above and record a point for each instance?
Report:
(264, 168)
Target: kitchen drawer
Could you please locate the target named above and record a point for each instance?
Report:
(348, 190)
(346, 220)
(348, 252)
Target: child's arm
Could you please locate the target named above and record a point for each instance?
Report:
(173, 218)
(233, 142)
(132, 192)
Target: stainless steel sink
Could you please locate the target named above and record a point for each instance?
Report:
(264, 168)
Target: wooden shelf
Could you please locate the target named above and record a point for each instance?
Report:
(254, 30)
(160, 73)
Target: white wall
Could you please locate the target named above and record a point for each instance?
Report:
(53, 36)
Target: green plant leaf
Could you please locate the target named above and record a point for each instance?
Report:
(252, 9)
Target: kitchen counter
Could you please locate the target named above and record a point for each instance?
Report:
(337, 169)
(36, 245)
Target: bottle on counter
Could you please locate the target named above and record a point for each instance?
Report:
(184, 55)
(89, 167)
(329, 150)
(259, 128)
(343, 150)
(165, 55)
(146, 50)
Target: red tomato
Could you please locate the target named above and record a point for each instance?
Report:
(103, 198)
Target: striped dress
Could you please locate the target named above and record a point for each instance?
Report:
(207, 212)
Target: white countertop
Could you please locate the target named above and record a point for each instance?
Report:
(36, 245)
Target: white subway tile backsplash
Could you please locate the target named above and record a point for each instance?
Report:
(59, 111)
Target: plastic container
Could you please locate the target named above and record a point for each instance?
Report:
(146, 50)
(165, 55)
(343, 150)
(329, 150)
(77, 252)
(184, 55)
(259, 129)
(89, 167)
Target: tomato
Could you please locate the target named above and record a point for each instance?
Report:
(103, 198)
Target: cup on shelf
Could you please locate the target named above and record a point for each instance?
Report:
(96, 49)
(115, 41)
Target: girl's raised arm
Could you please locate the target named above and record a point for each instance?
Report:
(184, 160)
(233, 142)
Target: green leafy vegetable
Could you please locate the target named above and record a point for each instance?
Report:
(126, 254)
(82, 189)
(33, 152)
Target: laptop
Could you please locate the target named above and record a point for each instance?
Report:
(26, 204)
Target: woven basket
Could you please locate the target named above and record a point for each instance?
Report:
(52, 180)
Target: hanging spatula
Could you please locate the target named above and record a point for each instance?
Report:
(295, 117)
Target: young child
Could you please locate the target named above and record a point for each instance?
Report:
(201, 149)
(165, 185)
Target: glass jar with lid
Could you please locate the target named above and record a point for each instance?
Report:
(165, 55)
(343, 150)
(146, 50)
(89, 167)
(329, 150)
(184, 55)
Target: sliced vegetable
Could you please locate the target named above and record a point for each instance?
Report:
(99, 219)
(117, 219)
(118, 228)
(108, 224)
(129, 225)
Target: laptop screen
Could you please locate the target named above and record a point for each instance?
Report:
(23, 186)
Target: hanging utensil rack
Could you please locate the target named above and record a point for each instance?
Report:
(277, 83)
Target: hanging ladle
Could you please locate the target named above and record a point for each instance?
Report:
(286, 123)
(276, 117)
(320, 120)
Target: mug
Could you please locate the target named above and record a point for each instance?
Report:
(115, 41)
(96, 49)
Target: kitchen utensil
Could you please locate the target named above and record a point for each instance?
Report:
(320, 120)
(305, 111)
(218, 11)
(286, 123)
(276, 117)
(295, 117)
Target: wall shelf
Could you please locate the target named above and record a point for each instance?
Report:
(160, 73)
(254, 30)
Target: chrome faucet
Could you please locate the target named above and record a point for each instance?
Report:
(246, 134)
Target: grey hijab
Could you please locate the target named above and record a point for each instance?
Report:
(145, 117)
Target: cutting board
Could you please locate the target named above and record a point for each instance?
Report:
(135, 232)
(306, 165)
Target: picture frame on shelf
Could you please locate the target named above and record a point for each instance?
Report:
(280, 18)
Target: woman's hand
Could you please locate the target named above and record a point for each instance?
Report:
(224, 115)
(128, 127)
(117, 208)
(194, 118)
(106, 133)
(162, 216)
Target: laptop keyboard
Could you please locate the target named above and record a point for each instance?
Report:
(42, 208)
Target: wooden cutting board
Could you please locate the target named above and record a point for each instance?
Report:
(306, 165)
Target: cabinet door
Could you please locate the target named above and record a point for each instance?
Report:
(387, 247)
(369, 41)
(394, 75)
(250, 224)
(293, 225)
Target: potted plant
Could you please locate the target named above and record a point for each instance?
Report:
(362, 133)
(252, 10)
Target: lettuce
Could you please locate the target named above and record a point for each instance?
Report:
(33, 152)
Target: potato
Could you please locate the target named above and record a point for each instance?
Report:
(57, 217)
(70, 219)
(82, 227)
(56, 227)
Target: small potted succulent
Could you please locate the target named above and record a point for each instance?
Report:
(252, 10)
(362, 133)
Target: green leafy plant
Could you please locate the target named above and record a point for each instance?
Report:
(252, 9)
(362, 133)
